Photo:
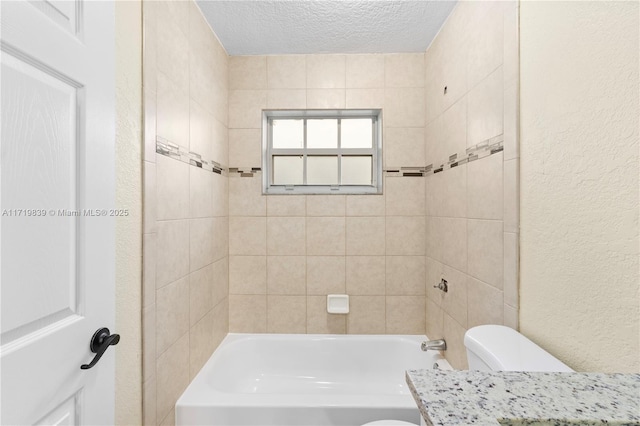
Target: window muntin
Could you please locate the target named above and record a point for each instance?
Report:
(322, 151)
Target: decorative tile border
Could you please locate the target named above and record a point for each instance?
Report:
(243, 171)
(171, 150)
(404, 172)
(476, 152)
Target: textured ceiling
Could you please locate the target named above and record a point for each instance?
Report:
(265, 27)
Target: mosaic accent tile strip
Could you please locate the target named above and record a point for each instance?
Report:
(405, 172)
(473, 153)
(476, 152)
(171, 150)
(481, 150)
(243, 171)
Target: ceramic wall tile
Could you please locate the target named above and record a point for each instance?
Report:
(404, 107)
(326, 71)
(200, 293)
(405, 315)
(321, 322)
(326, 98)
(365, 236)
(173, 251)
(485, 245)
(247, 72)
(286, 235)
(325, 275)
(286, 205)
(172, 376)
(201, 344)
(245, 148)
(172, 314)
(286, 275)
(172, 183)
(200, 243)
(405, 275)
(404, 70)
(365, 275)
(486, 303)
(245, 108)
(200, 192)
(325, 236)
(286, 72)
(247, 314)
(247, 274)
(286, 314)
(364, 98)
(404, 146)
(366, 315)
(365, 205)
(485, 104)
(247, 235)
(405, 235)
(485, 188)
(365, 71)
(245, 197)
(287, 99)
(172, 112)
(405, 196)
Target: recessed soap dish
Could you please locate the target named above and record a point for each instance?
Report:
(338, 303)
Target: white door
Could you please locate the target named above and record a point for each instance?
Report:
(57, 189)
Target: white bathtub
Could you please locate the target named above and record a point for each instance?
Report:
(305, 380)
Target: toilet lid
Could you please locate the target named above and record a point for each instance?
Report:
(389, 423)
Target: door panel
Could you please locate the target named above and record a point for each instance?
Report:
(66, 13)
(40, 159)
(57, 174)
(65, 414)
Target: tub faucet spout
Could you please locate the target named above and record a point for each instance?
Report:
(434, 345)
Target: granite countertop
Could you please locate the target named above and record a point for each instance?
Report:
(525, 398)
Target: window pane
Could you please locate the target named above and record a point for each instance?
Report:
(356, 170)
(288, 134)
(287, 170)
(322, 170)
(322, 133)
(356, 133)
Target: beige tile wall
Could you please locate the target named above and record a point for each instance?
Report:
(220, 256)
(288, 252)
(185, 242)
(472, 209)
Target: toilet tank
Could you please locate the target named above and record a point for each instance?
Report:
(500, 348)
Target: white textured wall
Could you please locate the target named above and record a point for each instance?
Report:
(579, 182)
(128, 196)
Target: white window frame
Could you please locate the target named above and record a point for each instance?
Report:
(268, 152)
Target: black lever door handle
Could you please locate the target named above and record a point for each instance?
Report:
(100, 342)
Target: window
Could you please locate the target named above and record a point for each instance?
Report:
(322, 152)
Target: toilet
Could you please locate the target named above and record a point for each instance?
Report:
(500, 348)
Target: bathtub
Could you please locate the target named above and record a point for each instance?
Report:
(305, 380)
